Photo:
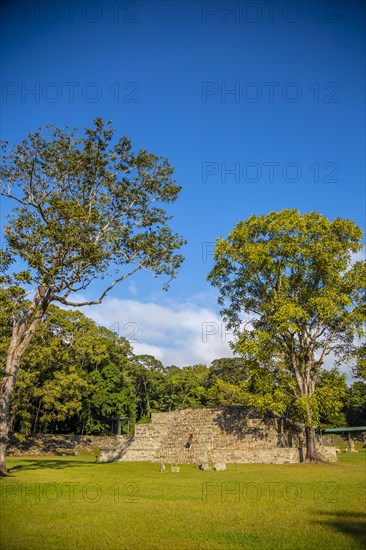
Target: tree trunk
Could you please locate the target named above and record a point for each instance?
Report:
(7, 387)
(307, 388)
(311, 451)
(36, 419)
(148, 408)
(23, 333)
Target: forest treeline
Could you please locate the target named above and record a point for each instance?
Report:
(77, 376)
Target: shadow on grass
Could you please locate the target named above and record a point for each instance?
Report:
(44, 464)
(348, 523)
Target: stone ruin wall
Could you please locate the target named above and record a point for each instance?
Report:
(228, 434)
(61, 445)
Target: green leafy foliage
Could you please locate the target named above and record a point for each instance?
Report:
(86, 205)
(185, 387)
(355, 404)
(292, 295)
(73, 376)
(359, 361)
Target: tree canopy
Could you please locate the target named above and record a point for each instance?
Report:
(86, 209)
(290, 290)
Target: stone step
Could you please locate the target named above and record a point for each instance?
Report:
(217, 436)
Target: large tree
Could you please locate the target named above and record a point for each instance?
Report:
(293, 294)
(86, 208)
(147, 375)
(185, 387)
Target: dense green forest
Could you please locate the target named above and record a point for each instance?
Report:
(76, 377)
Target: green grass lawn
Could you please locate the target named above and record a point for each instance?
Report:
(72, 503)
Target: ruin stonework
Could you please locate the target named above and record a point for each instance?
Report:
(226, 435)
(60, 445)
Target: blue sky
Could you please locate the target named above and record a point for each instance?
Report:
(258, 107)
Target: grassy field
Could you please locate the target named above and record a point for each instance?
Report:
(72, 503)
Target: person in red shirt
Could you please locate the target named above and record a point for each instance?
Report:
(189, 442)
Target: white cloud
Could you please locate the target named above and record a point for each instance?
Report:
(182, 333)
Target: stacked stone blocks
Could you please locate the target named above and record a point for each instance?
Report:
(228, 434)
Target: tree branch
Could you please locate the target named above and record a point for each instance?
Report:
(63, 300)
